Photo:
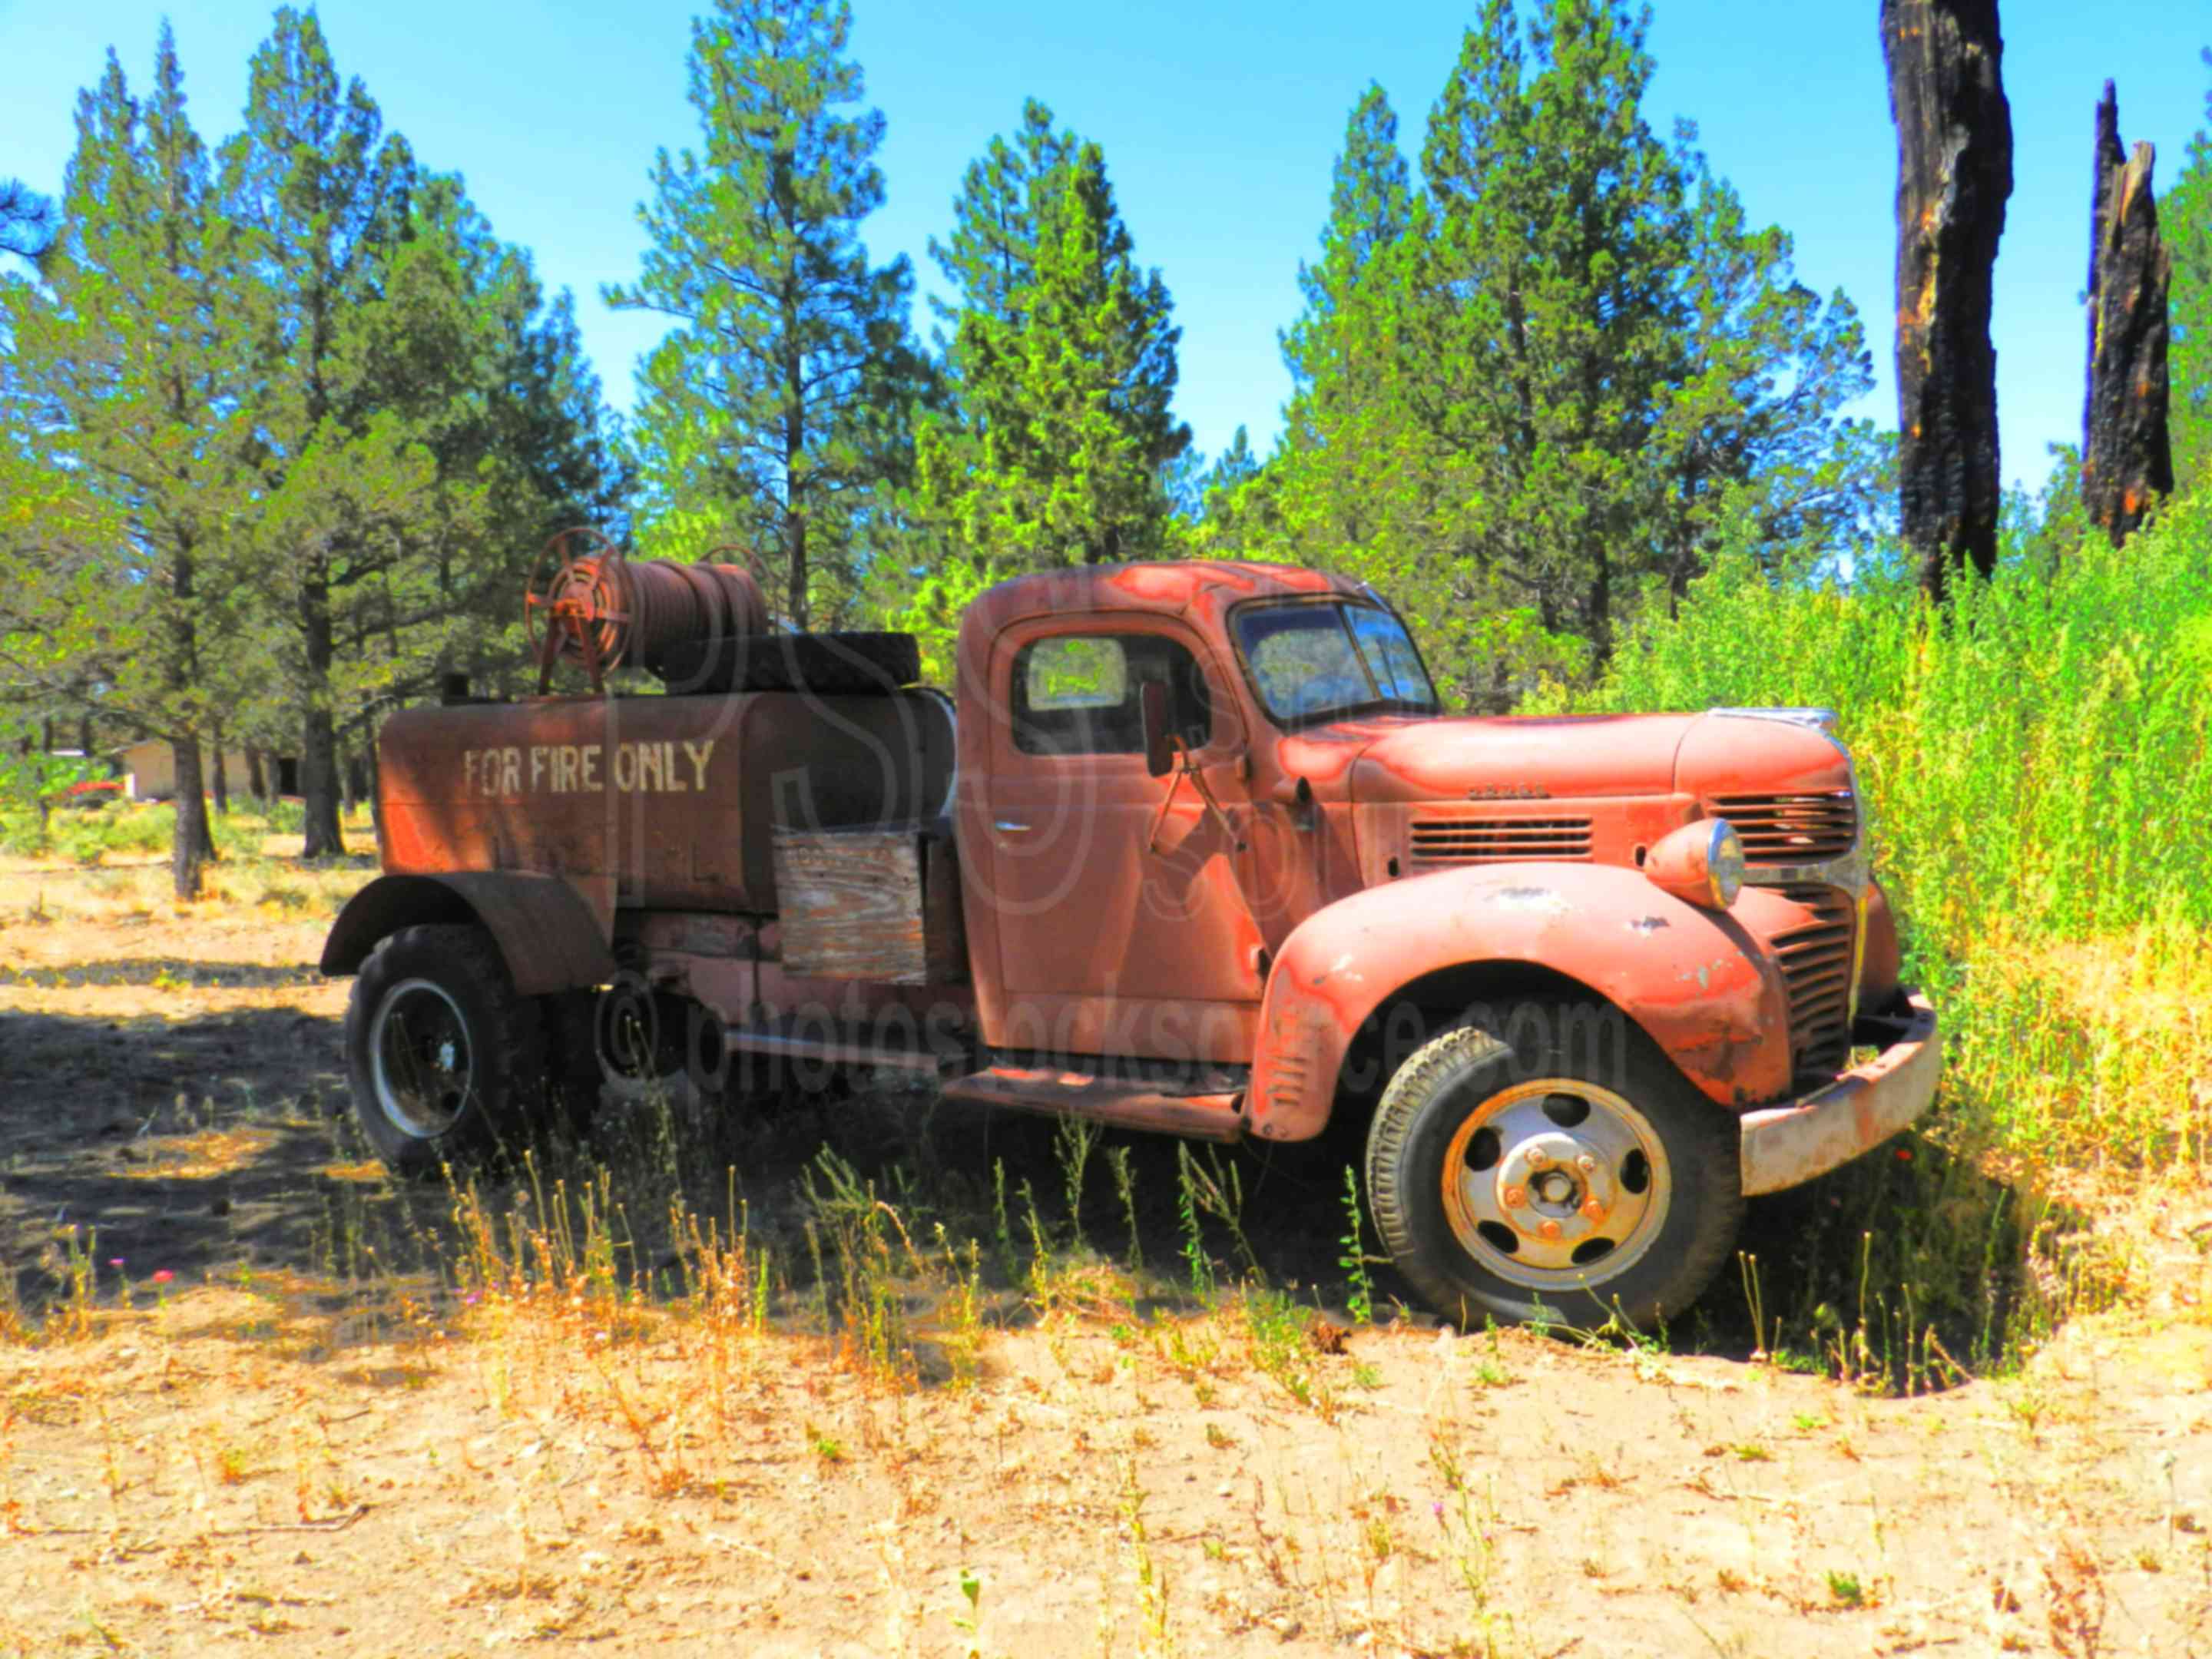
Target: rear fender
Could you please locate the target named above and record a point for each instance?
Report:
(548, 932)
(1696, 982)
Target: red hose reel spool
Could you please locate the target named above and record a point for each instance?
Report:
(587, 604)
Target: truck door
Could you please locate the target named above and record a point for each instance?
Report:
(1114, 938)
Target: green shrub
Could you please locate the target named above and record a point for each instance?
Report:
(128, 829)
(2035, 767)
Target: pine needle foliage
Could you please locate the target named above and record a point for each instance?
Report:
(774, 415)
(1060, 367)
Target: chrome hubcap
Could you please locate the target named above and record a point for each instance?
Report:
(1556, 1182)
(419, 1057)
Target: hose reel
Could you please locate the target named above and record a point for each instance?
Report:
(587, 604)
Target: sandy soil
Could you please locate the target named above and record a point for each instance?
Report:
(256, 1452)
(231, 1471)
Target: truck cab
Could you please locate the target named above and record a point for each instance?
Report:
(1191, 847)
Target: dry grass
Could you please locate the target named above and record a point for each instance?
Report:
(445, 1475)
(716, 1387)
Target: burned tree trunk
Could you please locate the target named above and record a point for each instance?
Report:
(2127, 452)
(1954, 176)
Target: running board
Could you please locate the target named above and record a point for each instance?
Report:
(1078, 1094)
(835, 1048)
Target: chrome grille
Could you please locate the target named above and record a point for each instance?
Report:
(1804, 828)
(1816, 961)
(1492, 840)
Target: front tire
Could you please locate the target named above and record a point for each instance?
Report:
(1529, 1178)
(445, 1057)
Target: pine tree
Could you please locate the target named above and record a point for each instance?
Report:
(1370, 205)
(1060, 367)
(774, 414)
(990, 257)
(488, 382)
(1232, 469)
(1335, 489)
(1527, 400)
(320, 198)
(123, 477)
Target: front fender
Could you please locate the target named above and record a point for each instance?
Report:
(551, 936)
(1696, 982)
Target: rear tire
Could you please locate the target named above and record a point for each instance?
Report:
(1526, 1178)
(446, 1061)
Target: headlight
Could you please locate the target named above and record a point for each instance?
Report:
(1701, 863)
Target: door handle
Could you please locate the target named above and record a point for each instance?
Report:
(1010, 828)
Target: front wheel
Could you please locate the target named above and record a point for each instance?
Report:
(1526, 1177)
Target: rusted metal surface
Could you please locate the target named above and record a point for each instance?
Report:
(1079, 940)
(1078, 1094)
(1481, 758)
(1817, 959)
(590, 606)
(1082, 943)
(1107, 910)
(1882, 958)
(1790, 1145)
(830, 1045)
(552, 938)
(1553, 1192)
(657, 803)
(1701, 863)
(1699, 983)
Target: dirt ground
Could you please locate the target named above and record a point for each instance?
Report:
(254, 1438)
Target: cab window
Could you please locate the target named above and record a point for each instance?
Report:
(1323, 661)
(1079, 694)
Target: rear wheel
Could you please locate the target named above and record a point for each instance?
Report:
(1522, 1177)
(445, 1058)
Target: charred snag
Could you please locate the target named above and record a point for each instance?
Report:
(1954, 176)
(2127, 452)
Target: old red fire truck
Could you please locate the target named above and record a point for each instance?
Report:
(1190, 848)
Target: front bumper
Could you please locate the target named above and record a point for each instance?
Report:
(1785, 1145)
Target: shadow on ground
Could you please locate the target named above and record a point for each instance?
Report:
(175, 971)
(203, 1145)
(187, 1145)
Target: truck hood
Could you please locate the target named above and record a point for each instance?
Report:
(1459, 758)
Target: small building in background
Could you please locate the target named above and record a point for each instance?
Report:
(149, 771)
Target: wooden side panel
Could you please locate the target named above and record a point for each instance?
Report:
(868, 904)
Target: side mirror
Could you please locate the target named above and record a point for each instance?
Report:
(1159, 741)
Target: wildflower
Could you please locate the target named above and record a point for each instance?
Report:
(1904, 1154)
(115, 1261)
(162, 1275)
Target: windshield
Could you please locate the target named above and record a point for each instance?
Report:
(1316, 661)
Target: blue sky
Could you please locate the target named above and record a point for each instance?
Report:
(1219, 122)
